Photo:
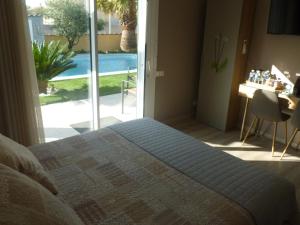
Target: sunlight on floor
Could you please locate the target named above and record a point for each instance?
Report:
(58, 118)
(233, 145)
(252, 152)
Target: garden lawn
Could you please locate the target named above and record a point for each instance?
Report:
(77, 89)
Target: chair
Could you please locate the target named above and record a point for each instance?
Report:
(295, 121)
(265, 106)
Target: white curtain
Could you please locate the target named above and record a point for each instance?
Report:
(20, 112)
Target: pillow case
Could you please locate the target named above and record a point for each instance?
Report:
(24, 201)
(20, 158)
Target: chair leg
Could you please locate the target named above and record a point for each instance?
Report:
(260, 124)
(286, 132)
(249, 130)
(274, 138)
(289, 143)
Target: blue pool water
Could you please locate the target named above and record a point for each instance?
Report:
(107, 63)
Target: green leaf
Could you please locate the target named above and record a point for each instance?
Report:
(70, 18)
(219, 66)
(51, 59)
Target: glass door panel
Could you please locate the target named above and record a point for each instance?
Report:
(93, 69)
(142, 34)
(121, 48)
(60, 33)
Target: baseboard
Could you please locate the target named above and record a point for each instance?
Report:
(178, 119)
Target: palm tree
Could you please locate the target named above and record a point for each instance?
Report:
(126, 11)
(51, 59)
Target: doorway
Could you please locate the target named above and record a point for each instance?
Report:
(103, 83)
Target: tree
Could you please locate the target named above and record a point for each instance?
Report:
(36, 11)
(100, 24)
(70, 19)
(126, 11)
(51, 59)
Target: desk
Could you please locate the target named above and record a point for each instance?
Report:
(246, 90)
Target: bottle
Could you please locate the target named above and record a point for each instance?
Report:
(258, 77)
(252, 76)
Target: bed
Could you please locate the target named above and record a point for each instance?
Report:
(144, 172)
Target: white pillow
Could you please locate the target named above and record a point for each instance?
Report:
(20, 158)
(24, 201)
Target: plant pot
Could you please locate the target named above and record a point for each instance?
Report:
(42, 84)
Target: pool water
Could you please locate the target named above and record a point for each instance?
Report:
(107, 63)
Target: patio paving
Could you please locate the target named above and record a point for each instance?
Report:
(58, 117)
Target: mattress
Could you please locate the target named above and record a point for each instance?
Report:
(143, 172)
(269, 198)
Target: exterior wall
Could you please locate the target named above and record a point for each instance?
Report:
(115, 23)
(105, 42)
(109, 42)
(36, 28)
(180, 33)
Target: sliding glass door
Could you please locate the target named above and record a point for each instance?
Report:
(89, 61)
(61, 35)
(121, 60)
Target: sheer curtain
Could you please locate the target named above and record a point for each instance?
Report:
(20, 112)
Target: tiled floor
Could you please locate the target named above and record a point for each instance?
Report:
(256, 151)
(59, 117)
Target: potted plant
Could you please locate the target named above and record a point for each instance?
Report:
(51, 59)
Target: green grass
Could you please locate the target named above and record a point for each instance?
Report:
(77, 89)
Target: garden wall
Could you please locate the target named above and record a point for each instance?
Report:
(106, 42)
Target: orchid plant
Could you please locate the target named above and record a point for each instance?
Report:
(219, 63)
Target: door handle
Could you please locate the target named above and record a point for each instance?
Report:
(148, 68)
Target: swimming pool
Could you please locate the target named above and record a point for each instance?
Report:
(108, 63)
